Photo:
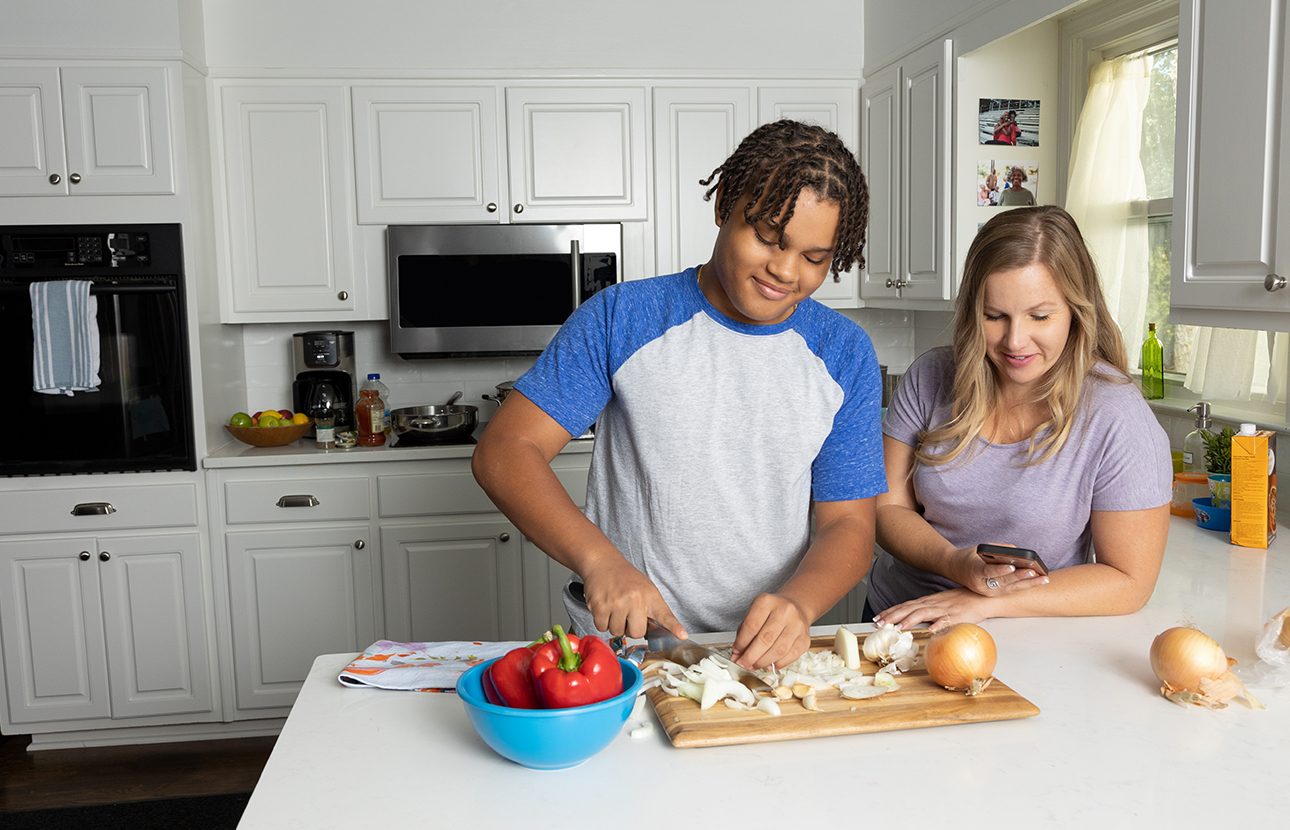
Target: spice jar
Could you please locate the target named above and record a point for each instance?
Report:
(324, 429)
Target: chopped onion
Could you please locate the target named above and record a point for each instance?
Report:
(961, 658)
(854, 691)
(1194, 669)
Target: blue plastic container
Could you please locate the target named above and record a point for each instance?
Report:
(1211, 517)
(548, 738)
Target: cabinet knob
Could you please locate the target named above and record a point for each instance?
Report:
(360, 544)
(1273, 282)
(75, 178)
(93, 508)
(54, 178)
(519, 208)
(84, 556)
(505, 537)
(343, 296)
(104, 556)
(492, 207)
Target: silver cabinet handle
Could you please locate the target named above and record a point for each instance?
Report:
(505, 537)
(84, 556)
(343, 296)
(1273, 282)
(54, 178)
(298, 501)
(104, 556)
(93, 508)
(492, 207)
(75, 178)
(575, 265)
(360, 544)
(519, 208)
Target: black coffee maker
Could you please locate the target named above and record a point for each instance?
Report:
(324, 365)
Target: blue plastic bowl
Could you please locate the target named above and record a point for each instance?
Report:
(548, 738)
(1211, 517)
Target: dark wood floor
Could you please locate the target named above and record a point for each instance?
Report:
(105, 775)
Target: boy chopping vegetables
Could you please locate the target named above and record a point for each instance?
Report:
(732, 410)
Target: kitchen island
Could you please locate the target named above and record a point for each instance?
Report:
(1106, 749)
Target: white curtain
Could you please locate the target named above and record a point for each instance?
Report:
(1108, 191)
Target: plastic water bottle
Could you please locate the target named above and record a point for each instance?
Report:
(369, 412)
(383, 392)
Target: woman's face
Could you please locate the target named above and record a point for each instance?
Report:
(1026, 323)
(749, 279)
(1016, 177)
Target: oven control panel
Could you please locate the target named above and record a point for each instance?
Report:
(54, 249)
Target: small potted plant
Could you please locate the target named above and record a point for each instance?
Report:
(1218, 464)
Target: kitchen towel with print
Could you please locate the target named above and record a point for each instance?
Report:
(418, 667)
(65, 337)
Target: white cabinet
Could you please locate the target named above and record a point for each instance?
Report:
(1231, 185)
(695, 130)
(576, 154)
(427, 154)
(103, 627)
(907, 111)
(85, 130)
(289, 205)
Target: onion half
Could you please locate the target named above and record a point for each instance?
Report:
(1192, 668)
(961, 658)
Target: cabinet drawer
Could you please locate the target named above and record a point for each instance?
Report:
(99, 508)
(430, 494)
(296, 500)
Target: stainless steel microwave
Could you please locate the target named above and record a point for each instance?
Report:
(493, 290)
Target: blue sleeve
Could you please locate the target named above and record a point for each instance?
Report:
(850, 464)
(571, 379)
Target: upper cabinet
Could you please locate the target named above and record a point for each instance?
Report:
(576, 154)
(1231, 189)
(85, 130)
(906, 111)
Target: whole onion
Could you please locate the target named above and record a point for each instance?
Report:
(1192, 668)
(961, 658)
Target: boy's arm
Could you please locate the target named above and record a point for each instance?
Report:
(777, 628)
(512, 463)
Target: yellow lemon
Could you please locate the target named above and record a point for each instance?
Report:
(300, 418)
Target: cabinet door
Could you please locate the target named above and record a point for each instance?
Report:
(1231, 110)
(118, 130)
(155, 622)
(289, 213)
(31, 141)
(695, 130)
(833, 108)
(293, 595)
(925, 188)
(426, 154)
(880, 160)
(452, 581)
(544, 580)
(576, 154)
(51, 629)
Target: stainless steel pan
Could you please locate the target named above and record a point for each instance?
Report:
(433, 424)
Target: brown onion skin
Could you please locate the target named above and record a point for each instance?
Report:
(957, 655)
(1176, 658)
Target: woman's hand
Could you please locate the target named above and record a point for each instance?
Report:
(991, 580)
(775, 630)
(940, 610)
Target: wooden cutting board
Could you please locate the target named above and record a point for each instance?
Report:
(918, 702)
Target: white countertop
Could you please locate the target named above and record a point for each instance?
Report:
(237, 454)
(1106, 749)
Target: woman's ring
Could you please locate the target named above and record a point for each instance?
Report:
(992, 583)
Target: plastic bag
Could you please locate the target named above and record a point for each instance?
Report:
(1273, 648)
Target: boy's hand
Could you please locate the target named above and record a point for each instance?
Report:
(621, 598)
(773, 631)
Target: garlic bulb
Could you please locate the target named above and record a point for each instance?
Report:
(891, 648)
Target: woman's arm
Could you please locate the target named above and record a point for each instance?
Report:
(512, 463)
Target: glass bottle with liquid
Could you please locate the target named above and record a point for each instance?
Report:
(1153, 365)
(1193, 448)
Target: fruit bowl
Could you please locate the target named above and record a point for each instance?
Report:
(269, 436)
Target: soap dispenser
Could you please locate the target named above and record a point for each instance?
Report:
(1194, 443)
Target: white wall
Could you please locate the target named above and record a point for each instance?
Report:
(94, 26)
(555, 35)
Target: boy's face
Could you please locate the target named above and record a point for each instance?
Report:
(750, 280)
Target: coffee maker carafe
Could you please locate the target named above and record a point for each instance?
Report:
(324, 365)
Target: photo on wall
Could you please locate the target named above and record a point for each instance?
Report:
(1006, 183)
(1010, 121)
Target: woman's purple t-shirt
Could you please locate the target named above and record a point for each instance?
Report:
(1115, 458)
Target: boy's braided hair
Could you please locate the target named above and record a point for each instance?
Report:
(775, 163)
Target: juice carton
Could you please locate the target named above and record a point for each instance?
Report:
(1254, 487)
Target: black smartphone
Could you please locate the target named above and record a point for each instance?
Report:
(1019, 558)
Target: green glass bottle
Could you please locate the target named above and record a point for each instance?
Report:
(1153, 365)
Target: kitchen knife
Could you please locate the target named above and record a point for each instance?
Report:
(686, 653)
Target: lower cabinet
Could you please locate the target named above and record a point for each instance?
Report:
(103, 627)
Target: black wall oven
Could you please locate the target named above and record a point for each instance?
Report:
(140, 417)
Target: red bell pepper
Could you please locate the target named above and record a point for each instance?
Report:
(490, 691)
(511, 680)
(575, 671)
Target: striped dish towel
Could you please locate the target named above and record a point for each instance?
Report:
(65, 331)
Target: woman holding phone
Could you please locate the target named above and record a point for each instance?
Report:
(1026, 433)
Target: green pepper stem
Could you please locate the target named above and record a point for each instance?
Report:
(570, 660)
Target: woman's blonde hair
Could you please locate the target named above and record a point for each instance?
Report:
(1046, 236)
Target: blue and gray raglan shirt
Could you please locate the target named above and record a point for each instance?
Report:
(712, 436)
